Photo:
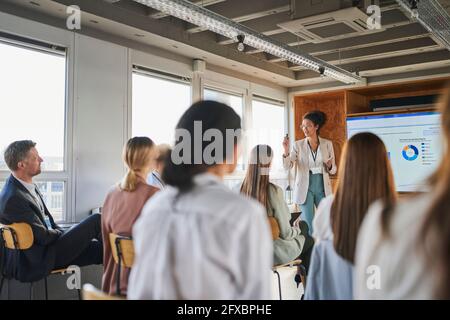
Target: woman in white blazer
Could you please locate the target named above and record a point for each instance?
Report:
(314, 160)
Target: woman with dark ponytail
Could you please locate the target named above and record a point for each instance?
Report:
(197, 239)
(124, 203)
(409, 244)
(313, 160)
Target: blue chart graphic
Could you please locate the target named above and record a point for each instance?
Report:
(410, 152)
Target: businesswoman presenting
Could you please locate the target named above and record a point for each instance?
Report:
(314, 158)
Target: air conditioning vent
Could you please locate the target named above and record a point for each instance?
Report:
(332, 24)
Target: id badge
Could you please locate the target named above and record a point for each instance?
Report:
(316, 170)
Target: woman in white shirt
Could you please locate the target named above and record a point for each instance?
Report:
(365, 176)
(197, 239)
(314, 160)
(404, 252)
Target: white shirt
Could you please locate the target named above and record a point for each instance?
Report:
(315, 165)
(322, 221)
(398, 260)
(154, 179)
(209, 243)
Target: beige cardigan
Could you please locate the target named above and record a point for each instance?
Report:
(290, 243)
(298, 158)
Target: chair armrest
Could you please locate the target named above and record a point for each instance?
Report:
(292, 263)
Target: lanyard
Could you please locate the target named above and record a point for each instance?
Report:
(314, 154)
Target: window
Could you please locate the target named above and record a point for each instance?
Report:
(32, 107)
(32, 99)
(236, 102)
(53, 194)
(233, 100)
(269, 128)
(158, 103)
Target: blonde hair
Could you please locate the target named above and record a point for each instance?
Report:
(137, 155)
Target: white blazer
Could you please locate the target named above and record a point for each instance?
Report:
(299, 157)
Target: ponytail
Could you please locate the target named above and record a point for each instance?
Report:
(137, 155)
(181, 175)
(130, 181)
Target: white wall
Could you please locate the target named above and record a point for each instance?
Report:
(100, 112)
(99, 105)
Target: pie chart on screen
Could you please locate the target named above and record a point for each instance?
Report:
(410, 152)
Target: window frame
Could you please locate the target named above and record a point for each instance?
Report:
(142, 70)
(279, 174)
(238, 92)
(62, 46)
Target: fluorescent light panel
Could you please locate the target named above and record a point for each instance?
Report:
(214, 22)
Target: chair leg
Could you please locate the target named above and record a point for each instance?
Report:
(1, 285)
(46, 288)
(118, 279)
(31, 290)
(279, 283)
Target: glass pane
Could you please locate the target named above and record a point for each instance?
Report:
(268, 128)
(53, 192)
(32, 102)
(157, 106)
(236, 102)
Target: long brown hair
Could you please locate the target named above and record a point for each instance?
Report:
(365, 175)
(137, 155)
(436, 229)
(256, 183)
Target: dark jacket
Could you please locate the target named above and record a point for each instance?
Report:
(18, 205)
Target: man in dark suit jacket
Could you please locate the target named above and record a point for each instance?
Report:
(53, 248)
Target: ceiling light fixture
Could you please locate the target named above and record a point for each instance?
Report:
(240, 45)
(432, 16)
(202, 17)
(322, 71)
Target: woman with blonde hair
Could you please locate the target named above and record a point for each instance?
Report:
(124, 203)
(406, 249)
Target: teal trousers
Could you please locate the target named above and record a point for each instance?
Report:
(315, 194)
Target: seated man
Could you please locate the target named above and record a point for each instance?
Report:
(53, 248)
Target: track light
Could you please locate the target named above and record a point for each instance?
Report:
(322, 71)
(414, 10)
(432, 16)
(241, 45)
(413, 4)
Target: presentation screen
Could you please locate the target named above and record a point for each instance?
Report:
(413, 143)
